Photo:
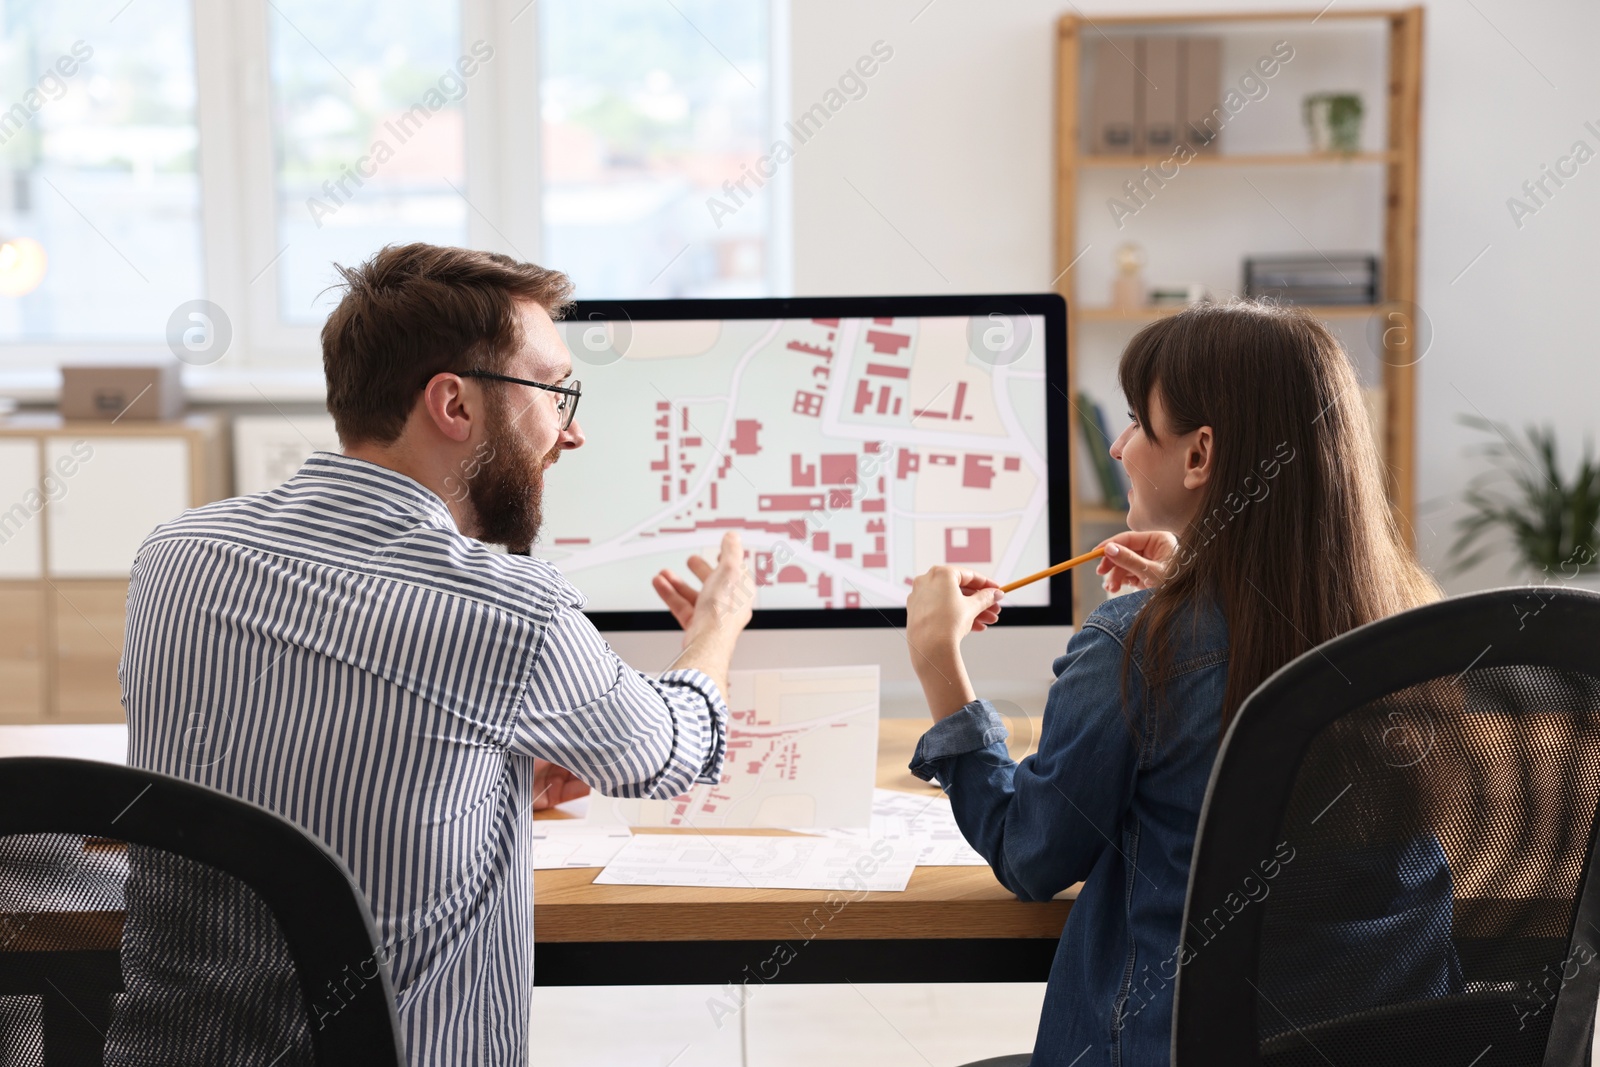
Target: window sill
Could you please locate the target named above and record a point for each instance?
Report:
(201, 385)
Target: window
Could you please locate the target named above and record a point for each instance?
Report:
(647, 108)
(99, 187)
(370, 139)
(162, 152)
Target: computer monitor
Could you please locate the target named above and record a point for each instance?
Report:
(853, 442)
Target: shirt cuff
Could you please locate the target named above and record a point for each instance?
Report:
(700, 682)
(977, 725)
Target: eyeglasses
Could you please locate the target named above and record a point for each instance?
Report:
(566, 406)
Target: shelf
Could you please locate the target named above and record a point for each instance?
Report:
(1150, 314)
(1102, 514)
(1280, 159)
(1193, 17)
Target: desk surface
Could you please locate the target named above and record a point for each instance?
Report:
(938, 903)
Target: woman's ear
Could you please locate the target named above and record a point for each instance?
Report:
(1197, 458)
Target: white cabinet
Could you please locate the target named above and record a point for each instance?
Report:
(268, 449)
(76, 501)
(113, 491)
(20, 504)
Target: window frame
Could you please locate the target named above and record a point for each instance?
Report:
(238, 193)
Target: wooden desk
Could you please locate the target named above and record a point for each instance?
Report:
(951, 924)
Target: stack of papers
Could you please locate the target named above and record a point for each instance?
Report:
(738, 862)
(926, 821)
(559, 843)
(802, 755)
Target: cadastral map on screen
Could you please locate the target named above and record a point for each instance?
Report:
(851, 454)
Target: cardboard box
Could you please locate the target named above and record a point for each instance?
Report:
(114, 391)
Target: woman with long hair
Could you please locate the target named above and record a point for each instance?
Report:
(1258, 529)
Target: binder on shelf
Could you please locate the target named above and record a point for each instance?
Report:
(1162, 95)
(1200, 63)
(1116, 129)
(1097, 444)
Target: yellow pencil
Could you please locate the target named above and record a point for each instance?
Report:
(1057, 569)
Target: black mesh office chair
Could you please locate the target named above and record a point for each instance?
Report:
(1394, 863)
(147, 920)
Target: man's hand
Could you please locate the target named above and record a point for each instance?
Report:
(1137, 559)
(554, 785)
(726, 595)
(714, 615)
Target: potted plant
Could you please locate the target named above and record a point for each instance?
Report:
(1551, 522)
(1334, 121)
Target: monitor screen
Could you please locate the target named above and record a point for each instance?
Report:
(853, 442)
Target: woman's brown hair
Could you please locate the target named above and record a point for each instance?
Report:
(1295, 540)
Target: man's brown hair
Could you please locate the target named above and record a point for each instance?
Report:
(417, 310)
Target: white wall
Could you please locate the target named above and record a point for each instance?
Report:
(953, 145)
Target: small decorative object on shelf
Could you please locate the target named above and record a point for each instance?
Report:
(1553, 523)
(1333, 121)
(1127, 288)
(1335, 278)
(1179, 295)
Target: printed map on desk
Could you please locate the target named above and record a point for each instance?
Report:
(727, 861)
(851, 454)
(926, 821)
(802, 752)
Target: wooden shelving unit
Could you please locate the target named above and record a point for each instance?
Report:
(1398, 160)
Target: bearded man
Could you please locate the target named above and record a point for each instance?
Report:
(347, 651)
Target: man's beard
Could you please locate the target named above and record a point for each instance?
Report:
(508, 489)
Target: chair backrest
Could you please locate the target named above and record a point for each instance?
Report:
(146, 919)
(1394, 859)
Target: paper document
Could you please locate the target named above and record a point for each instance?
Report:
(762, 862)
(561, 843)
(802, 753)
(927, 821)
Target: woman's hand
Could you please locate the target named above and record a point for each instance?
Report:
(948, 603)
(1136, 559)
(945, 605)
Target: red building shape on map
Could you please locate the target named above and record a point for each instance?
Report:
(801, 473)
(788, 502)
(967, 544)
(815, 350)
(839, 468)
(807, 403)
(977, 471)
(744, 441)
(887, 344)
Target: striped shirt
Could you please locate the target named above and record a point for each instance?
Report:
(337, 651)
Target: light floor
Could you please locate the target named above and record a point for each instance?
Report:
(942, 1025)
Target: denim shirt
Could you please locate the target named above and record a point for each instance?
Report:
(1104, 802)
